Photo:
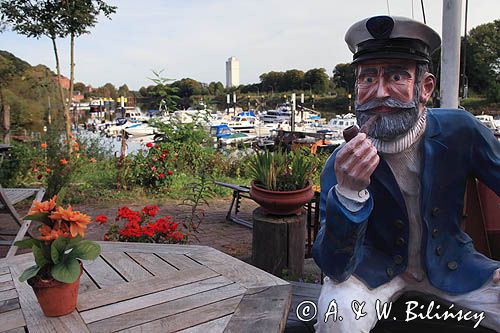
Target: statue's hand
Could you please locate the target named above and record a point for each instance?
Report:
(496, 276)
(355, 163)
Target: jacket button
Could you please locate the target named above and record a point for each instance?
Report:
(435, 232)
(439, 252)
(400, 241)
(399, 224)
(452, 265)
(398, 259)
(389, 271)
(435, 211)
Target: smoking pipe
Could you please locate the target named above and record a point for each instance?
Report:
(350, 132)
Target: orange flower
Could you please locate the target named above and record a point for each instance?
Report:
(43, 145)
(93, 160)
(75, 144)
(48, 170)
(43, 207)
(64, 161)
(78, 221)
(48, 234)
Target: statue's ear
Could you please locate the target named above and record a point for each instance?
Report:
(428, 84)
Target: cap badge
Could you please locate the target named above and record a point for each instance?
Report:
(380, 27)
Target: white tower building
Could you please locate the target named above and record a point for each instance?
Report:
(232, 72)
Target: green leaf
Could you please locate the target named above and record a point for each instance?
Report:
(40, 259)
(27, 243)
(29, 273)
(85, 250)
(67, 271)
(40, 217)
(57, 249)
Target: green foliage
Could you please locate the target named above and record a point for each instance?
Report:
(344, 77)
(282, 171)
(197, 193)
(483, 53)
(60, 258)
(162, 95)
(152, 168)
(16, 167)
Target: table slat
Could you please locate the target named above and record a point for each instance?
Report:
(190, 318)
(216, 325)
(102, 273)
(265, 308)
(8, 294)
(16, 330)
(152, 263)
(86, 284)
(130, 290)
(11, 319)
(6, 285)
(8, 305)
(4, 270)
(154, 299)
(179, 261)
(127, 267)
(5, 278)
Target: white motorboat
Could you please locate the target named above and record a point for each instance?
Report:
(341, 122)
(140, 130)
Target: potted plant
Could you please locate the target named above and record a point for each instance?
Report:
(55, 277)
(282, 180)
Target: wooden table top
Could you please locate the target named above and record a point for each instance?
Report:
(137, 287)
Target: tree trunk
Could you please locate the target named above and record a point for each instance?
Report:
(61, 95)
(6, 119)
(72, 75)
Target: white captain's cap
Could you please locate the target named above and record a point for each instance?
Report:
(391, 37)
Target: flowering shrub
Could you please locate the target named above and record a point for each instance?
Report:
(153, 168)
(139, 227)
(60, 243)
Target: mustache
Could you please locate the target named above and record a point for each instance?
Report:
(389, 102)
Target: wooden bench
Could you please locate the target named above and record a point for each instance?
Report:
(238, 193)
(8, 198)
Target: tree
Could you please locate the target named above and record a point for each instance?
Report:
(123, 91)
(80, 86)
(272, 81)
(344, 77)
(483, 58)
(318, 79)
(293, 80)
(55, 19)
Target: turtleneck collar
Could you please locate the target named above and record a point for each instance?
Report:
(404, 141)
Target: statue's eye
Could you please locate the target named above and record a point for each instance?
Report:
(369, 79)
(396, 77)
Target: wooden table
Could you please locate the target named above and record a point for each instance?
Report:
(137, 287)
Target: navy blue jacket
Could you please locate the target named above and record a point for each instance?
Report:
(372, 243)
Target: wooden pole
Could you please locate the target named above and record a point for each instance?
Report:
(121, 161)
(6, 123)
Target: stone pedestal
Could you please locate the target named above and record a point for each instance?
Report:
(279, 242)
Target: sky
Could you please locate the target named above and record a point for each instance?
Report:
(194, 38)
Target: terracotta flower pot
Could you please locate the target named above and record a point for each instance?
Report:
(55, 298)
(281, 202)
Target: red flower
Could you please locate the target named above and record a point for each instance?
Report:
(153, 168)
(40, 176)
(64, 161)
(102, 219)
(165, 151)
(170, 172)
(151, 210)
(177, 236)
(163, 156)
(149, 145)
(161, 175)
